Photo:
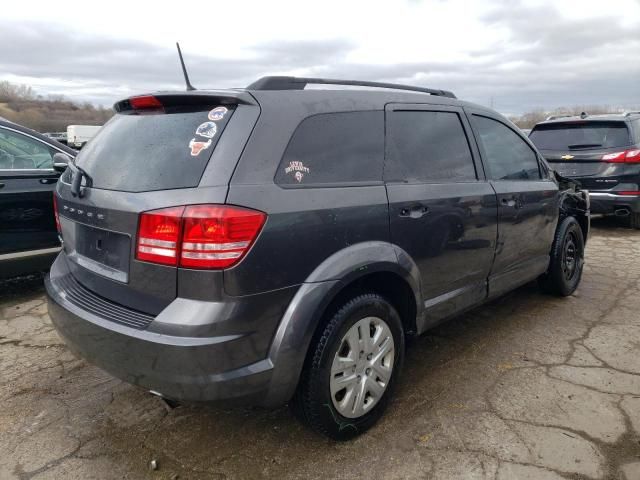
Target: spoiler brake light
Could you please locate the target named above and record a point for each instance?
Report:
(145, 102)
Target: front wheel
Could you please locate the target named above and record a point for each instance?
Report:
(567, 260)
(352, 368)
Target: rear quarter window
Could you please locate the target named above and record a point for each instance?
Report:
(333, 149)
(145, 152)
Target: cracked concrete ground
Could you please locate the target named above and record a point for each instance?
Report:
(527, 387)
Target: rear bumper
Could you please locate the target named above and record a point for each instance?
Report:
(184, 365)
(608, 203)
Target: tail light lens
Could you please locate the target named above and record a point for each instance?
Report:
(198, 236)
(55, 213)
(627, 156)
(159, 235)
(218, 236)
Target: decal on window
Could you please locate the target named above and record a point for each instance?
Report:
(298, 170)
(207, 129)
(217, 113)
(197, 146)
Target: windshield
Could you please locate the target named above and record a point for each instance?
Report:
(157, 151)
(580, 135)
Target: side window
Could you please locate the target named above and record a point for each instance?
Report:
(334, 148)
(508, 157)
(20, 152)
(427, 146)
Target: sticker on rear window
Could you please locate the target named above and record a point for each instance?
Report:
(207, 129)
(196, 146)
(298, 170)
(217, 113)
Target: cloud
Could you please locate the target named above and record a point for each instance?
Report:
(532, 57)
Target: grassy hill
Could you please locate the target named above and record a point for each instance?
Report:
(20, 104)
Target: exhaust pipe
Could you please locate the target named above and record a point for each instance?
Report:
(622, 212)
(168, 403)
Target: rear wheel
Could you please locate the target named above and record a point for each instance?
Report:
(567, 260)
(352, 368)
(634, 220)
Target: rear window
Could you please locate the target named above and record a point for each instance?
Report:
(334, 148)
(580, 136)
(143, 152)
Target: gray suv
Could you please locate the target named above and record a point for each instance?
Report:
(277, 244)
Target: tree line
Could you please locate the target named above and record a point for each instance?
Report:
(22, 105)
(51, 113)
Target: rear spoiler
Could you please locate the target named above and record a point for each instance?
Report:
(193, 98)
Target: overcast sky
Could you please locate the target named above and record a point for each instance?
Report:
(515, 54)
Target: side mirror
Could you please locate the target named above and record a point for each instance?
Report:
(60, 161)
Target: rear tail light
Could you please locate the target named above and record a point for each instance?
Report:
(159, 235)
(627, 192)
(198, 236)
(626, 156)
(55, 213)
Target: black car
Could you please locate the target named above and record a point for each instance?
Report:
(28, 236)
(278, 244)
(602, 152)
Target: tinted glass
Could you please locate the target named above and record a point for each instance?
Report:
(138, 152)
(508, 157)
(19, 152)
(580, 136)
(335, 148)
(427, 147)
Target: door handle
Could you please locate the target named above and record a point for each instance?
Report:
(416, 211)
(47, 181)
(1, 185)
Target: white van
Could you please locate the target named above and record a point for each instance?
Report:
(78, 135)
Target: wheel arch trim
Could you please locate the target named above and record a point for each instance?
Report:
(298, 324)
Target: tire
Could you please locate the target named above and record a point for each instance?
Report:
(321, 404)
(567, 260)
(634, 220)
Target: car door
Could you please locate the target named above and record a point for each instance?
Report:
(443, 212)
(27, 181)
(527, 202)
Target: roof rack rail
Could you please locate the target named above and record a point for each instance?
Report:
(299, 83)
(631, 112)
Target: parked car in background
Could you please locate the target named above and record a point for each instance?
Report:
(602, 152)
(28, 175)
(57, 136)
(79, 135)
(278, 244)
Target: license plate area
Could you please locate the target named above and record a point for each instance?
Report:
(102, 251)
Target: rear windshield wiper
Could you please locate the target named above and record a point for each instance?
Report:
(584, 145)
(77, 189)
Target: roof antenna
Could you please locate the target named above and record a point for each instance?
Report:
(184, 70)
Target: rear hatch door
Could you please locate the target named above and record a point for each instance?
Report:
(578, 150)
(169, 152)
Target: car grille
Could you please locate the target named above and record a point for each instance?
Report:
(101, 307)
